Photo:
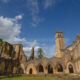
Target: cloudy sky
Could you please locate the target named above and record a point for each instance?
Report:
(34, 22)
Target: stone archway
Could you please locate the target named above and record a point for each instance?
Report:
(41, 69)
(30, 71)
(70, 67)
(50, 69)
(59, 68)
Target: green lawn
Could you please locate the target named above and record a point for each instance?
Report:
(30, 78)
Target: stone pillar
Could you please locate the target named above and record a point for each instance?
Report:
(45, 71)
(32, 53)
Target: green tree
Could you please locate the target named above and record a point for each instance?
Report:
(1, 42)
(40, 53)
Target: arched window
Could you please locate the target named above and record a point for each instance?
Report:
(50, 69)
(59, 68)
(30, 71)
(41, 68)
(70, 67)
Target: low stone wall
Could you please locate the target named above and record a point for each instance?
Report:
(68, 78)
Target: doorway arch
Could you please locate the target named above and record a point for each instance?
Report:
(70, 67)
(50, 69)
(59, 68)
(30, 71)
(41, 68)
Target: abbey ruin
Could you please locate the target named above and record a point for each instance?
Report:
(67, 59)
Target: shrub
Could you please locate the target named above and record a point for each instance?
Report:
(65, 74)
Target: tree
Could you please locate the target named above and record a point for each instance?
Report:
(1, 42)
(40, 53)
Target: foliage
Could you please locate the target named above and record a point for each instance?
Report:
(40, 53)
(1, 42)
(66, 74)
(9, 57)
(7, 46)
(30, 78)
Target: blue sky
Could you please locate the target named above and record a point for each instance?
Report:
(34, 22)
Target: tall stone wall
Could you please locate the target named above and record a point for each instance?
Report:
(76, 57)
(11, 58)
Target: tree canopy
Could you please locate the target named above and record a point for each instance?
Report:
(40, 53)
(1, 42)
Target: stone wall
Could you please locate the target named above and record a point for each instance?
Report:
(11, 58)
(76, 57)
(48, 66)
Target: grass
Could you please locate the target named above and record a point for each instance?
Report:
(66, 74)
(30, 78)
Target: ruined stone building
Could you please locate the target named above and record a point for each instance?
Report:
(67, 59)
(11, 59)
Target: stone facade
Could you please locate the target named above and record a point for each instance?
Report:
(67, 59)
(60, 45)
(11, 58)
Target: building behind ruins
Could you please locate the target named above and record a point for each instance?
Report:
(67, 59)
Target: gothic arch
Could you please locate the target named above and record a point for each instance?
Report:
(70, 67)
(50, 69)
(31, 69)
(59, 68)
(40, 68)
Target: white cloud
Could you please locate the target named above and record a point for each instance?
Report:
(10, 29)
(52, 50)
(31, 44)
(33, 7)
(5, 1)
(28, 47)
(49, 50)
(18, 17)
(27, 50)
(48, 3)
